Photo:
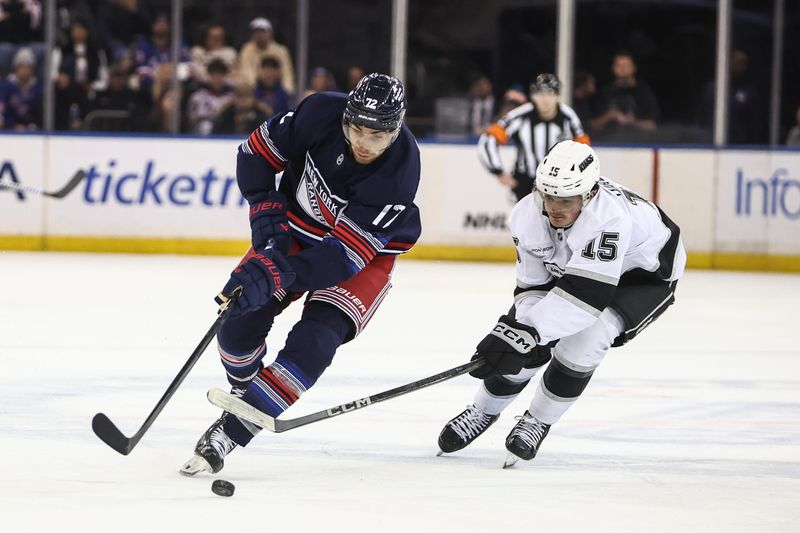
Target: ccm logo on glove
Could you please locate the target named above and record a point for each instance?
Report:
(519, 339)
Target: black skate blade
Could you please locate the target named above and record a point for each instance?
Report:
(105, 429)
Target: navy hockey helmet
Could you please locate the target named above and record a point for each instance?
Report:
(378, 102)
(546, 82)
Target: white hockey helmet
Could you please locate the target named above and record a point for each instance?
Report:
(569, 169)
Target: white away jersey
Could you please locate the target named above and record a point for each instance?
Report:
(566, 277)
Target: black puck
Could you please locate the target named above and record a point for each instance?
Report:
(222, 487)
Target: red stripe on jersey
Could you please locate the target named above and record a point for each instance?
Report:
(255, 143)
(304, 225)
(354, 241)
(260, 144)
(399, 245)
(365, 256)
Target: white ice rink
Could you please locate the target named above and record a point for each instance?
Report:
(693, 427)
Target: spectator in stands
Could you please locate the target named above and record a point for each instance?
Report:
(627, 105)
(21, 94)
(214, 47)
(354, 75)
(120, 23)
(117, 97)
(262, 44)
(20, 25)
(746, 120)
(243, 115)
(320, 80)
(583, 93)
(482, 104)
(269, 89)
(206, 103)
(79, 64)
(793, 139)
(156, 51)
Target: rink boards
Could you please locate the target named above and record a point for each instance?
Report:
(736, 208)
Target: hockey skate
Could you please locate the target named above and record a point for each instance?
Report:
(210, 451)
(525, 438)
(213, 446)
(459, 432)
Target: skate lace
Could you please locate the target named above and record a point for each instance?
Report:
(221, 442)
(529, 430)
(471, 423)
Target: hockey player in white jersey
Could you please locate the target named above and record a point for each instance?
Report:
(596, 263)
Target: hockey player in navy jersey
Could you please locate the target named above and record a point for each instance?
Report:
(596, 264)
(342, 212)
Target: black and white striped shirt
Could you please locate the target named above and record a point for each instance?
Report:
(532, 135)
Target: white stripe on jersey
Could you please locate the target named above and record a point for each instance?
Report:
(577, 302)
(591, 275)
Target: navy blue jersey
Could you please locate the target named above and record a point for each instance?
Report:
(343, 212)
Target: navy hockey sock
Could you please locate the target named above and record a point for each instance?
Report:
(241, 369)
(272, 391)
(309, 350)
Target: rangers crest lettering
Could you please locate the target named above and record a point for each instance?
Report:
(315, 197)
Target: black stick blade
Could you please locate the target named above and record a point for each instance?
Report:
(105, 429)
(70, 185)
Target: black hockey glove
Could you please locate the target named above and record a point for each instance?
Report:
(506, 349)
(268, 220)
(259, 277)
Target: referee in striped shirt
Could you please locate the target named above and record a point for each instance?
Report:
(533, 127)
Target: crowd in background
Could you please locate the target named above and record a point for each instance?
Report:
(626, 109)
(112, 71)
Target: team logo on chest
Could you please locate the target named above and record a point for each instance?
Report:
(316, 198)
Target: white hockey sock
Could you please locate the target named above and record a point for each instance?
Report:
(493, 403)
(548, 408)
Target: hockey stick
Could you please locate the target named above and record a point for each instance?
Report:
(73, 182)
(242, 409)
(106, 429)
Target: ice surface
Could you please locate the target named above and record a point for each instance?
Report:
(694, 426)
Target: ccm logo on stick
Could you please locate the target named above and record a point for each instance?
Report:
(350, 406)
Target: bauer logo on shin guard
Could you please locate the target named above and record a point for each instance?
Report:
(520, 340)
